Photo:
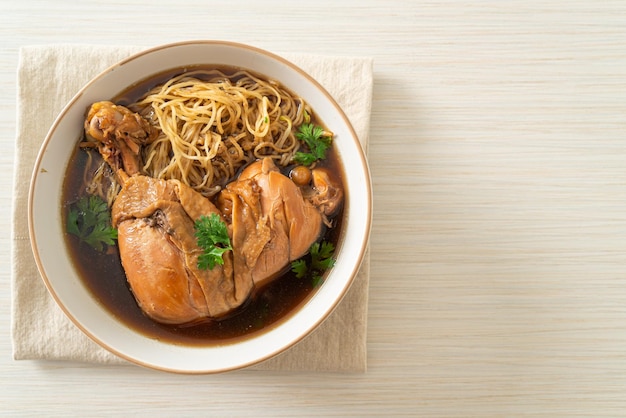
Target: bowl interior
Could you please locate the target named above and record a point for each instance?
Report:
(53, 259)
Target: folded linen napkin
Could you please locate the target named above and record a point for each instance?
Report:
(48, 77)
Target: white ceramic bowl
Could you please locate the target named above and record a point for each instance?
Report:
(71, 294)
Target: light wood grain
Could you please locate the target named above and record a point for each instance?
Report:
(498, 252)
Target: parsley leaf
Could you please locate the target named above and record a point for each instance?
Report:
(90, 220)
(321, 260)
(299, 267)
(321, 256)
(316, 139)
(304, 158)
(212, 237)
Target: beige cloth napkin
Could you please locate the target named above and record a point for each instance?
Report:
(48, 77)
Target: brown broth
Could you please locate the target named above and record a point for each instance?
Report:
(105, 278)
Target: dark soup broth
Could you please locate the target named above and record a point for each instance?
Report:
(104, 276)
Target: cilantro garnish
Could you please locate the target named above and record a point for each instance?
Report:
(90, 220)
(321, 260)
(316, 139)
(212, 237)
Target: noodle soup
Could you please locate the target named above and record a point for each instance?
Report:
(208, 172)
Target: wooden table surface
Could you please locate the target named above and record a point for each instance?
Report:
(498, 250)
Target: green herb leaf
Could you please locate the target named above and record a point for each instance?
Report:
(321, 256)
(317, 142)
(299, 267)
(321, 260)
(212, 237)
(304, 158)
(316, 280)
(90, 220)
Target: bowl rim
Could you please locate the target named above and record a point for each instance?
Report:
(151, 50)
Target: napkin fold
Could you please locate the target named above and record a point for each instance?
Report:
(48, 77)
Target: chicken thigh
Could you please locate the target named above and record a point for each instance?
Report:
(159, 253)
(274, 228)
